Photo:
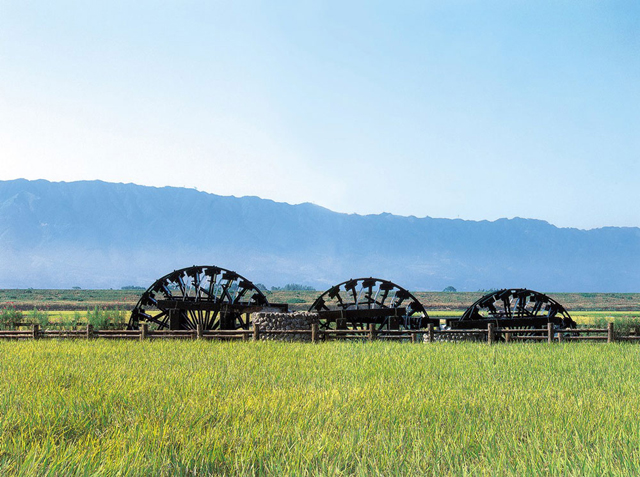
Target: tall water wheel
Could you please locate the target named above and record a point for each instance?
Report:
(356, 303)
(214, 297)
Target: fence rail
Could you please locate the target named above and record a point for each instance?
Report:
(491, 334)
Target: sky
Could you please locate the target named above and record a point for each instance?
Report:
(458, 109)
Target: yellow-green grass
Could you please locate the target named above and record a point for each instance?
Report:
(70, 318)
(60, 315)
(445, 313)
(198, 408)
(588, 318)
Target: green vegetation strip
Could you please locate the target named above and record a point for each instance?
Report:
(178, 408)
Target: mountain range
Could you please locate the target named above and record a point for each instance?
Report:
(95, 234)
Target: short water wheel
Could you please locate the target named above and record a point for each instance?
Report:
(514, 308)
(359, 302)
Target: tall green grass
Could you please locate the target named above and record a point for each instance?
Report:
(9, 317)
(623, 325)
(98, 317)
(198, 408)
(103, 318)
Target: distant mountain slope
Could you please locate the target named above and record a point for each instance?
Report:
(97, 234)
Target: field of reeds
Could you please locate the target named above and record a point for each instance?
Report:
(197, 408)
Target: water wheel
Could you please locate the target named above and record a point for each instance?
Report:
(356, 303)
(214, 297)
(514, 308)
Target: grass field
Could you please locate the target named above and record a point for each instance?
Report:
(197, 408)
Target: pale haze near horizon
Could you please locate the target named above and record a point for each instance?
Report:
(473, 110)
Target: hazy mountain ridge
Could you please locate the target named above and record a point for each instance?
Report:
(97, 234)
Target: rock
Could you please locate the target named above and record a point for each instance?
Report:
(270, 321)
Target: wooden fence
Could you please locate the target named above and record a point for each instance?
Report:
(491, 334)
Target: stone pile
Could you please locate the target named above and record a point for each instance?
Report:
(269, 321)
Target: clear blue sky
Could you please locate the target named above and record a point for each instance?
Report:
(477, 110)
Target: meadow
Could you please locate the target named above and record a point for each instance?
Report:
(339, 408)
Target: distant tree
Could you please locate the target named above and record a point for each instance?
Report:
(132, 287)
(450, 289)
(261, 287)
(298, 287)
(293, 287)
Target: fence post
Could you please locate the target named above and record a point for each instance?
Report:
(35, 331)
(89, 331)
(372, 331)
(144, 329)
(610, 336)
(560, 336)
(507, 337)
(550, 332)
(199, 331)
(430, 333)
(314, 332)
(256, 332)
(490, 333)
(413, 336)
